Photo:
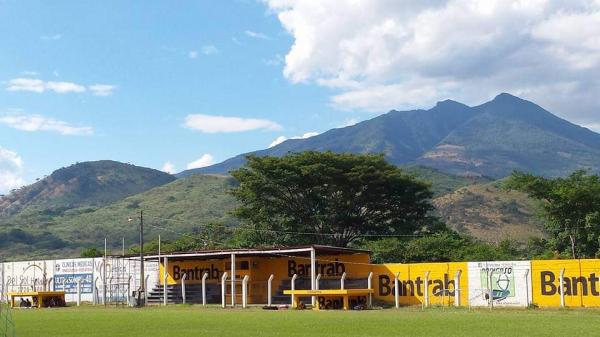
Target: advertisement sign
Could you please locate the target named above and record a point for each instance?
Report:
(72, 270)
(508, 283)
(581, 283)
(70, 283)
(441, 284)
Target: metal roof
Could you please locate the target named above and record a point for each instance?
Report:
(224, 253)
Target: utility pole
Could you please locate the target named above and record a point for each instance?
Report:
(142, 291)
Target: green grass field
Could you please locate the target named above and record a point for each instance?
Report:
(179, 321)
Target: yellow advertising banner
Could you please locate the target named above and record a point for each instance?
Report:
(581, 282)
(440, 286)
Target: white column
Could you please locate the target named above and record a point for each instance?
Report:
(223, 289)
(245, 291)
(370, 286)
(204, 288)
(427, 289)
(64, 284)
(527, 287)
(561, 287)
(343, 281)
(165, 278)
(233, 280)
(317, 281)
(457, 290)
(129, 290)
(78, 292)
(95, 291)
(293, 284)
(183, 287)
(313, 273)
(146, 288)
(269, 290)
(397, 290)
(490, 289)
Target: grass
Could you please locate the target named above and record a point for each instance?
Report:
(197, 321)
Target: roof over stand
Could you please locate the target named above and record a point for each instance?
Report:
(226, 253)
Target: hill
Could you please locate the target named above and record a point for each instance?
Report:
(181, 206)
(490, 213)
(490, 140)
(88, 184)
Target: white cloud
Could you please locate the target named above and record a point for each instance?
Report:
(193, 54)
(11, 169)
(51, 37)
(209, 50)
(594, 127)
(29, 73)
(348, 122)
(282, 139)
(64, 87)
(215, 124)
(257, 35)
(26, 84)
(40, 86)
(33, 123)
(386, 54)
(205, 160)
(102, 89)
(168, 167)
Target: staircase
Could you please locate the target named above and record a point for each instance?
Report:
(193, 294)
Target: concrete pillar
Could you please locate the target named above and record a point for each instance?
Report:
(370, 286)
(245, 291)
(78, 292)
(397, 290)
(165, 278)
(223, 289)
(293, 285)
(313, 273)
(204, 277)
(270, 290)
(457, 288)
(426, 292)
(233, 280)
(183, 287)
(561, 287)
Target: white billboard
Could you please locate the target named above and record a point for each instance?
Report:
(507, 283)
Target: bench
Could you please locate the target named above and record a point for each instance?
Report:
(345, 294)
(40, 298)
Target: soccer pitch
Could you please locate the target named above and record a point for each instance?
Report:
(197, 321)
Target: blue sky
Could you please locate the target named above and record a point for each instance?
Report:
(172, 85)
(165, 61)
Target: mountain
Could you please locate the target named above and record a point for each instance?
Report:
(490, 213)
(491, 140)
(181, 206)
(87, 184)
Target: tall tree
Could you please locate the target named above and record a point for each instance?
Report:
(571, 208)
(331, 198)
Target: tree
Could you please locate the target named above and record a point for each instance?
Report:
(330, 198)
(91, 252)
(570, 207)
(444, 246)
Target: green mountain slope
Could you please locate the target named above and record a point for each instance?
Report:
(489, 140)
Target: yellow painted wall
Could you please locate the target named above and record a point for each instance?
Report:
(582, 286)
